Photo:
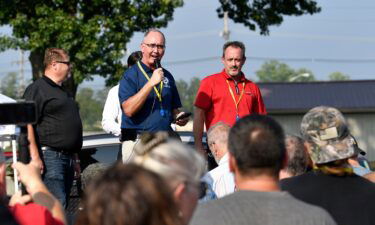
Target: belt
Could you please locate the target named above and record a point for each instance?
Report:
(128, 135)
(47, 148)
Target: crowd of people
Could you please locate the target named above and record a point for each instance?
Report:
(262, 176)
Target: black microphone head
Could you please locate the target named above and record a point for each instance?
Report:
(157, 63)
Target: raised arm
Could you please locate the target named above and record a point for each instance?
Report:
(132, 105)
(30, 177)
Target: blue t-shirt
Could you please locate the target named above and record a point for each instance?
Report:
(149, 118)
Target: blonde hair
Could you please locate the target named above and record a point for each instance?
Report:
(170, 158)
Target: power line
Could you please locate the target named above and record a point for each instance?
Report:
(284, 59)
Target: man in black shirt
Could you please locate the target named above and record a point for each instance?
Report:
(59, 128)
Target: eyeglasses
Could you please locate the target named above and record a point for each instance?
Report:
(64, 62)
(152, 46)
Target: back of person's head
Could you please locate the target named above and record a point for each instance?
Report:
(134, 57)
(297, 157)
(54, 54)
(128, 195)
(91, 172)
(169, 157)
(179, 165)
(327, 132)
(257, 144)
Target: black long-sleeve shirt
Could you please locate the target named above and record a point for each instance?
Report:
(59, 124)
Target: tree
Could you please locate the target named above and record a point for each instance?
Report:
(338, 76)
(188, 92)
(275, 71)
(94, 33)
(90, 109)
(10, 86)
(264, 13)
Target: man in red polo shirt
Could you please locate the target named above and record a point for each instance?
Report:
(226, 96)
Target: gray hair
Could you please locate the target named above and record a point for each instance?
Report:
(92, 171)
(218, 133)
(297, 156)
(169, 158)
(154, 30)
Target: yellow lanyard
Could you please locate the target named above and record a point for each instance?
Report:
(148, 78)
(234, 99)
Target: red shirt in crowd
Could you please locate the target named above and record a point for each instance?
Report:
(215, 99)
(32, 214)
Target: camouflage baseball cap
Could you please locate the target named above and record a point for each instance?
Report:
(326, 129)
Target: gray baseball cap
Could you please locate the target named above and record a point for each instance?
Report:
(326, 129)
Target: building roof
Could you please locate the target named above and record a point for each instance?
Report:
(355, 96)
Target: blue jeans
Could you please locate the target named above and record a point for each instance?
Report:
(59, 174)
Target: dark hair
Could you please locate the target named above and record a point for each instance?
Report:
(257, 144)
(54, 54)
(235, 44)
(128, 194)
(134, 57)
(297, 156)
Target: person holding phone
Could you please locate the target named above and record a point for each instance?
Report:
(148, 94)
(226, 96)
(39, 206)
(58, 131)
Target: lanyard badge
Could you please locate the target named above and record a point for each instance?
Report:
(158, 94)
(236, 103)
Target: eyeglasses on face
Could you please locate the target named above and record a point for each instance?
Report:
(64, 62)
(152, 46)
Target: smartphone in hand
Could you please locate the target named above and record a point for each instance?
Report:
(182, 116)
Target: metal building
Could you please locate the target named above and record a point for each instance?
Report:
(288, 102)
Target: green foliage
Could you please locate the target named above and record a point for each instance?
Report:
(275, 71)
(338, 76)
(188, 92)
(264, 13)
(91, 108)
(94, 33)
(10, 86)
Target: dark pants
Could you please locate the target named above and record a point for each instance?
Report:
(59, 174)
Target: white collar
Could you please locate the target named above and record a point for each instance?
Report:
(224, 159)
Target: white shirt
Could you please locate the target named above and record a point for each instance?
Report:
(111, 118)
(222, 179)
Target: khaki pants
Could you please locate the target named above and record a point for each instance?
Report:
(128, 150)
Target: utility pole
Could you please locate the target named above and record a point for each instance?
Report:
(225, 33)
(22, 78)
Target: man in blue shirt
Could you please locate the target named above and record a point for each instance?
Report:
(148, 94)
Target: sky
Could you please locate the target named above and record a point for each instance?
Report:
(339, 38)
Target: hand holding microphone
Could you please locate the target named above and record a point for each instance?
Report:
(158, 74)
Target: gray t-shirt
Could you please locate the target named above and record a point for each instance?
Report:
(263, 208)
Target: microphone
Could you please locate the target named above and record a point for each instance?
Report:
(157, 63)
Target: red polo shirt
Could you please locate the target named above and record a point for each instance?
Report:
(216, 100)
